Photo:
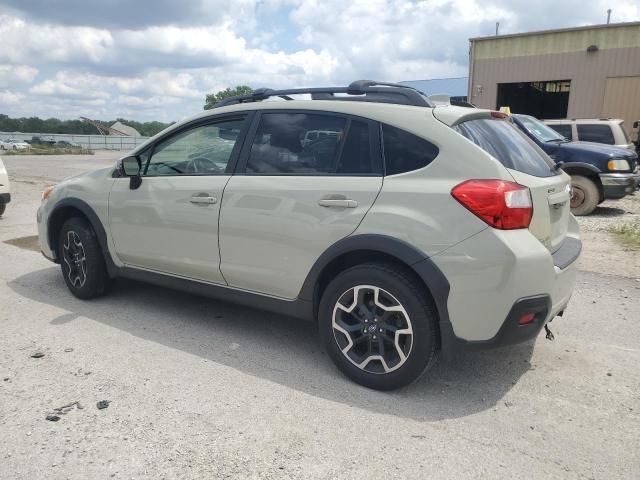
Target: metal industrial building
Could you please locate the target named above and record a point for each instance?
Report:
(582, 72)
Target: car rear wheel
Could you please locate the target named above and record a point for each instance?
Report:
(81, 260)
(378, 326)
(584, 195)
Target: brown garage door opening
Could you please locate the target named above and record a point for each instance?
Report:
(540, 99)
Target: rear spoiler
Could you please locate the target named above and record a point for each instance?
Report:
(453, 116)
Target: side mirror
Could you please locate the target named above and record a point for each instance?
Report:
(636, 123)
(131, 167)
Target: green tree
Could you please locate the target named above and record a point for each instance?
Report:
(213, 98)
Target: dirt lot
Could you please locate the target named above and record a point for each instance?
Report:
(199, 388)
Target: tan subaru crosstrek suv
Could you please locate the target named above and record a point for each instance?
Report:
(403, 230)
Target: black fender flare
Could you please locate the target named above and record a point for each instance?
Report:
(569, 166)
(95, 222)
(417, 261)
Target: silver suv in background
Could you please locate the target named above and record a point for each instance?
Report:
(403, 229)
(610, 131)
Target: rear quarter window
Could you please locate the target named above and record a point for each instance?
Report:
(404, 151)
(508, 145)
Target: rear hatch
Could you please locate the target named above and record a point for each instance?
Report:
(528, 165)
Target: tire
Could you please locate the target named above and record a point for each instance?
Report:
(3, 207)
(402, 320)
(81, 259)
(585, 195)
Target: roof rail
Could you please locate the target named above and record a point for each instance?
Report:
(360, 90)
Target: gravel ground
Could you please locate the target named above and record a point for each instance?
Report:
(602, 253)
(611, 213)
(203, 389)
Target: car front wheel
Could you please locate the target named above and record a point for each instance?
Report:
(378, 326)
(584, 195)
(81, 260)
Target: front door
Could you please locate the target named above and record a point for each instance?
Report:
(303, 183)
(170, 223)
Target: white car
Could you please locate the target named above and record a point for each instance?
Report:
(5, 145)
(17, 144)
(5, 191)
(609, 131)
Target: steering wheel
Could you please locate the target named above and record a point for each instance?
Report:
(202, 165)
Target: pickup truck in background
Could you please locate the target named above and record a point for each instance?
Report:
(598, 172)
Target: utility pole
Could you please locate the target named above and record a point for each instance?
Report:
(498, 26)
(608, 16)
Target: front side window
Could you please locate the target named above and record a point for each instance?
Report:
(595, 133)
(562, 129)
(203, 150)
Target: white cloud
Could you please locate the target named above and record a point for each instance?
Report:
(10, 98)
(16, 75)
(162, 65)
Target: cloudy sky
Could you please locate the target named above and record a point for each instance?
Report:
(155, 60)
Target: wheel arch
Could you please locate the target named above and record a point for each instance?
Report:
(74, 207)
(364, 248)
(586, 170)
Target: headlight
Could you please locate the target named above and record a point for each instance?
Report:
(47, 191)
(618, 165)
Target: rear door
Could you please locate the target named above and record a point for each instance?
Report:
(531, 167)
(294, 194)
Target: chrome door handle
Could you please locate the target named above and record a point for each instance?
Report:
(338, 203)
(203, 200)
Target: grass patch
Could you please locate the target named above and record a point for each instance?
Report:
(46, 150)
(628, 234)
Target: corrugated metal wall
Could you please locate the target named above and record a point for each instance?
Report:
(622, 99)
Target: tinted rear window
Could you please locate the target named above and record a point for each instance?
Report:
(508, 145)
(595, 133)
(404, 152)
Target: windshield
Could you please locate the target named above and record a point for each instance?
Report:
(539, 130)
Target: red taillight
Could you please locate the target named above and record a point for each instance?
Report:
(504, 205)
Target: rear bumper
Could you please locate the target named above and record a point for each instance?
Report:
(5, 198)
(617, 185)
(511, 331)
(495, 278)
